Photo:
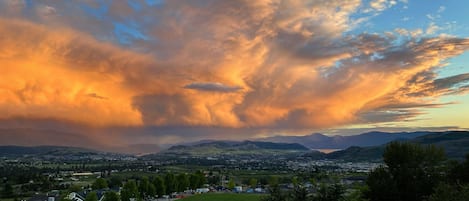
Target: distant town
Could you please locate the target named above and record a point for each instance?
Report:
(246, 168)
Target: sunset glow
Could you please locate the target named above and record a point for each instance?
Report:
(111, 73)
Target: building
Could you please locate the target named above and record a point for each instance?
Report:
(81, 196)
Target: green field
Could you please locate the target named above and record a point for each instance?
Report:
(224, 197)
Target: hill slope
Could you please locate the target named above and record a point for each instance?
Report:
(237, 148)
(17, 151)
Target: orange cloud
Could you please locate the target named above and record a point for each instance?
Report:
(245, 64)
(46, 74)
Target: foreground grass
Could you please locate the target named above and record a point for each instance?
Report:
(224, 197)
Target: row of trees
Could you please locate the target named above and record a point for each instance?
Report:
(169, 183)
(146, 187)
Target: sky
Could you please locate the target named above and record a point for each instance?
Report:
(108, 74)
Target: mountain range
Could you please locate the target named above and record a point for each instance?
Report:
(320, 141)
(455, 144)
(364, 147)
(367, 146)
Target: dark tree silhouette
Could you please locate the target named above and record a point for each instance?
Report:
(411, 173)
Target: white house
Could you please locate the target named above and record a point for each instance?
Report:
(202, 190)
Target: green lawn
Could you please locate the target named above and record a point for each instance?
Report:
(224, 197)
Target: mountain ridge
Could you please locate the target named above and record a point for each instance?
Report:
(455, 144)
(321, 141)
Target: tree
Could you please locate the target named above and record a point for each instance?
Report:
(129, 191)
(151, 190)
(253, 183)
(99, 183)
(197, 180)
(183, 182)
(459, 172)
(170, 183)
(231, 184)
(273, 181)
(75, 188)
(159, 185)
(143, 187)
(114, 182)
(91, 196)
(381, 186)
(357, 194)
(194, 181)
(275, 194)
(111, 196)
(201, 176)
(299, 194)
(333, 192)
(446, 192)
(7, 191)
(411, 173)
(294, 181)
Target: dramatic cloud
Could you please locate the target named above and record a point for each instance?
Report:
(203, 67)
(216, 87)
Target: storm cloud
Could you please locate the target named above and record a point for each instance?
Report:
(180, 67)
